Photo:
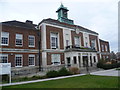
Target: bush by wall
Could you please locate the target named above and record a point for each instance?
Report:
(74, 70)
(62, 72)
(107, 66)
(51, 74)
(4, 78)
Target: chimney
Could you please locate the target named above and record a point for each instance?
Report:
(29, 22)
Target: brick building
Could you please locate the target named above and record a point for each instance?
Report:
(51, 44)
(105, 50)
(19, 44)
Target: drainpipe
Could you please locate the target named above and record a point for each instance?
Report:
(39, 55)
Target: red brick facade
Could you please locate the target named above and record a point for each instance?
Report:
(73, 34)
(92, 37)
(105, 50)
(12, 30)
(104, 43)
(50, 29)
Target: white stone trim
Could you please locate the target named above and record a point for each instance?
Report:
(53, 50)
(69, 29)
(43, 36)
(19, 50)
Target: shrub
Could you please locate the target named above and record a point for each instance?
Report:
(63, 72)
(108, 66)
(113, 62)
(35, 77)
(5, 78)
(51, 74)
(38, 77)
(117, 68)
(74, 70)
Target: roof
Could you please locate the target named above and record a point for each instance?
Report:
(56, 22)
(103, 41)
(20, 24)
(62, 7)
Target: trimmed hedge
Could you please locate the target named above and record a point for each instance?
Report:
(51, 74)
(62, 72)
(108, 66)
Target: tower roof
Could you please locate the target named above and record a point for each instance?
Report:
(62, 7)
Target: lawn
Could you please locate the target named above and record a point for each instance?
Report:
(86, 81)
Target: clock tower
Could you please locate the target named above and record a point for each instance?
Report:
(63, 15)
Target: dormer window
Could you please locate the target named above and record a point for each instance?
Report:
(54, 40)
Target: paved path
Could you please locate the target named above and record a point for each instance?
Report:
(111, 72)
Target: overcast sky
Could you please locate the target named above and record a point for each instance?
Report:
(98, 15)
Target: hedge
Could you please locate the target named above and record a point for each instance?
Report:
(62, 72)
(107, 66)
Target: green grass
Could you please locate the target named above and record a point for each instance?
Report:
(86, 81)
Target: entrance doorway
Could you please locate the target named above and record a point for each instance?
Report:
(91, 61)
(68, 62)
(85, 61)
(79, 61)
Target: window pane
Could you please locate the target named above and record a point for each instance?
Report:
(102, 47)
(18, 60)
(67, 42)
(54, 40)
(4, 40)
(55, 59)
(19, 39)
(31, 59)
(31, 40)
(77, 41)
(106, 48)
(92, 43)
(4, 37)
(18, 36)
(3, 58)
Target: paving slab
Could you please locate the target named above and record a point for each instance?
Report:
(111, 72)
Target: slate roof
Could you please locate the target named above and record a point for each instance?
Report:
(20, 24)
(56, 22)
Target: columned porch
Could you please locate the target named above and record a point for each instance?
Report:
(81, 59)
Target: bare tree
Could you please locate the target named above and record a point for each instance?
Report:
(113, 56)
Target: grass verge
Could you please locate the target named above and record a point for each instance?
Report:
(86, 81)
